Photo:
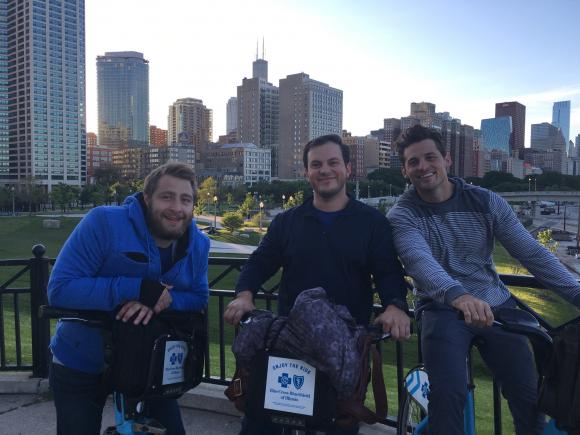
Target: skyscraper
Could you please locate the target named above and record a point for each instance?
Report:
(517, 112)
(258, 111)
(546, 136)
(123, 99)
(308, 109)
(232, 115)
(495, 133)
(561, 118)
(42, 92)
(190, 123)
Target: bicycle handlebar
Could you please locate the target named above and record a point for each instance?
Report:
(375, 330)
(101, 317)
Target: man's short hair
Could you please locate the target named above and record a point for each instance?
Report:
(175, 169)
(321, 140)
(415, 134)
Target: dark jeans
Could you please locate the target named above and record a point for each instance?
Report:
(252, 426)
(79, 399)
(446, 341)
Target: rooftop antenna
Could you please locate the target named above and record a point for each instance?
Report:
(257, 42)
(263, 57)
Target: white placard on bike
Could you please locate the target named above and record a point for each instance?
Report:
(174, 362)
(290, 386)
(417, 384)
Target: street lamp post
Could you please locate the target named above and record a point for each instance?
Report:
(529, 184)
(283, 201)
(261, 210)
(215, 199)
(12, 189)
(565, 216)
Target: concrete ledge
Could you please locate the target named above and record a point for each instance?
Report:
(22, 383)
(209, 397)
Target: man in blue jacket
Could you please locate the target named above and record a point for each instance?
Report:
(331, 241)
(142, 257)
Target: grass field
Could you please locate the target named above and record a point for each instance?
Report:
(18, 235)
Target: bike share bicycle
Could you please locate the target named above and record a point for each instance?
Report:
(413, 411)
(165, 362)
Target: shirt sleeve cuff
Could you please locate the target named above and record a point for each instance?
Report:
(453, 293)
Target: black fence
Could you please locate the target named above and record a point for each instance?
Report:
(24, 338)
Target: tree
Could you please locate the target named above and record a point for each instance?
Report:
(232, 221)
(62, 194)
(230, 199)
(247, 206)
(545, 239)
(294, 200)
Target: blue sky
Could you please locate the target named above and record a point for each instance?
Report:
(464, 56)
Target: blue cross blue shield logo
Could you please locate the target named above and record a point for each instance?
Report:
(298, 381)
(284, 380)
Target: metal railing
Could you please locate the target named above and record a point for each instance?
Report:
(19, 321)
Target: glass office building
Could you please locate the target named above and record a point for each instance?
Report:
(495, 133)
(123, 99)
(561, 118)
(42, 63)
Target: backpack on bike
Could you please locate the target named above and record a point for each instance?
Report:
(560, 390)
(309, 370)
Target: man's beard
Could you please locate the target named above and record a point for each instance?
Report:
(330, 193)
(155, 224)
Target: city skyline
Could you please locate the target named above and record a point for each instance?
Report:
(383, 55)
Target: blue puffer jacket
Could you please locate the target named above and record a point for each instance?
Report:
(102, 265)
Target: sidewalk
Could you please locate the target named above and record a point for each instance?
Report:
(26, 409)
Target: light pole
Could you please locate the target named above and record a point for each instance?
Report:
(215, 199)
(565, 216)
(12, 189)
(529, 184)
(283, 201)
(261, 210)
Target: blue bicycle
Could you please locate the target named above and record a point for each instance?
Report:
(413, 413)
(169, 363)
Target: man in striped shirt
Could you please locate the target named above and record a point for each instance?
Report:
(444, 231)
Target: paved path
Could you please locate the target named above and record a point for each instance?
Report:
(34, 415)
(205, 410)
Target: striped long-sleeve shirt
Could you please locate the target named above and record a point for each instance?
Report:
(447, 247)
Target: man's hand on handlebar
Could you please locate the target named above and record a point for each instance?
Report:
(141, 312)
(395, 321)
(242, 304)
(475, 311)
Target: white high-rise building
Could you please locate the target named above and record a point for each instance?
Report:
(308, 109)
(42, 92)
(232, 115)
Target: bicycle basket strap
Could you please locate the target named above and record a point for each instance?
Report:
(353, 409)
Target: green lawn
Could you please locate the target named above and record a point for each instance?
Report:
(19, 234)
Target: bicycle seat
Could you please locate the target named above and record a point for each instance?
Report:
(521, 322)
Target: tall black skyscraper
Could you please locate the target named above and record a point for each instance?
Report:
(517, 111)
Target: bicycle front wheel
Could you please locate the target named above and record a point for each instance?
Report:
(411, 418)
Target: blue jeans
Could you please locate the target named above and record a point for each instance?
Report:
(445, 342)
(79, 399)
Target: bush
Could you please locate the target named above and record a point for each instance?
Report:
(232, 221)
